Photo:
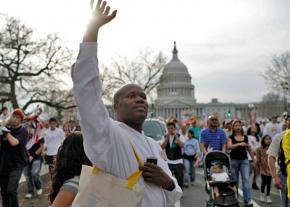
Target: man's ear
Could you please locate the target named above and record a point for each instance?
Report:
(116, 105)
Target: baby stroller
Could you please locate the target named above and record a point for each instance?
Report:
(227, 196)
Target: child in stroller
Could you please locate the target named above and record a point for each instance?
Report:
(219, 175)
(221, 190)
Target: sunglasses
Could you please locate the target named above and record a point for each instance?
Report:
(213, 119)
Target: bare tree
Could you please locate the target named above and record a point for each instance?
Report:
(144, 70)
(278, 73)
(29, 66)
(272, 104)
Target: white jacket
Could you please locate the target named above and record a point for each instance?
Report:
(106, 141)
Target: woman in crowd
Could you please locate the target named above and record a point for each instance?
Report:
(69, 161)
(254, 142)
(190, 155)
(239, 146)
(262, 165)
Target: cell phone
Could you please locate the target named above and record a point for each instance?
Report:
(152, 160)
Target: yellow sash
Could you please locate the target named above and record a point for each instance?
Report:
(132, 179)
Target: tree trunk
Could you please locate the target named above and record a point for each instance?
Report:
(59, 115)
(13, 95)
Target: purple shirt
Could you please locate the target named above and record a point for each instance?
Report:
(214, 139)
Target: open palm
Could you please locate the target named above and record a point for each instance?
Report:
(101, 14)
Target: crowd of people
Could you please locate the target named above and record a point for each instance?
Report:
(26, 142)
(250, 148)
(120, 149)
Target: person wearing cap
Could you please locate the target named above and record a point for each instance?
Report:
(13, 158)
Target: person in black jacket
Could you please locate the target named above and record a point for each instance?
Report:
(173, 148)
(13, 158)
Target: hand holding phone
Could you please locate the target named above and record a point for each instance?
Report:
(152, 160)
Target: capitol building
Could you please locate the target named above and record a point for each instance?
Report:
(175, 93)
(176, 96)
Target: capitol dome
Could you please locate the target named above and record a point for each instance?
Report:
(175, 92)
(175, 65)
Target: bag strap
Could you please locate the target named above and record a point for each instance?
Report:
(132, 179)
(138, 158)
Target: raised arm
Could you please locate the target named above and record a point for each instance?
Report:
(100, 16)
(94, 118)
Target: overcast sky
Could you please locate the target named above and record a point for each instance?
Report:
(226, 44)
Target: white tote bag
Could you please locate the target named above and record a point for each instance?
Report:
(100, 189)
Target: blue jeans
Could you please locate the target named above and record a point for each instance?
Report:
(243, 167)
(31, 172)
(283, 192)
(189, 174)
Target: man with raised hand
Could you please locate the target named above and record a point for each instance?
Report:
(106, 141)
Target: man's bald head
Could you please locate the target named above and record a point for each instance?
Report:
(131, 105)
(122, 91)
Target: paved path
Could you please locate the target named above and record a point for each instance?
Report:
(194, 196)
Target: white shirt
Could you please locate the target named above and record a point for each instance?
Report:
(254, 145)
(107, 142)
(274, 147)
(252, 140)
(223, 176)
(53, 139)
(183, 137)
(272, 129)
(171, 138)
(4, 117)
